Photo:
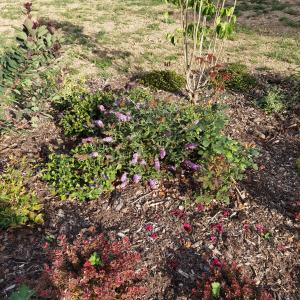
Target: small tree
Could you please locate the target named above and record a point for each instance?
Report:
(205, 25)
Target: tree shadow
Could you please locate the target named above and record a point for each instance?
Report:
(276, 184)
(74, 34)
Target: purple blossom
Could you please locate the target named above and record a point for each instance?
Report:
(122, 117)
(156, 164)
(108, 139)
(190, 165)
(191, 146)
(94, 154)
(99, 123)
(171, 168)
(153, 184)
(123, 184)
(162, 153)
(101, 108)
(135, 158)
(124, 177)
(136, 178)
(87, 140)
(143, 162)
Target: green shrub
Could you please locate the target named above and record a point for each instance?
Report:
(240, 79)
(272, 102)
(142, 139)
(18, 204)
(80, 109)
(36, 46)
(168, 81)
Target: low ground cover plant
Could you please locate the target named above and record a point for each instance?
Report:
(19, 205)
(127, 139)
(240, 80)
(92, 267)
(272, 102)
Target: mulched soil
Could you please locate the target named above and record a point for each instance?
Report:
(267, 200)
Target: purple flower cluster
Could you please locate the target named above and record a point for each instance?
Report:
(156, 164)
(94, 154)
(101, 108)
(153, 184)
(162, 153)
(135, 158)
(108, 139)
(191, 166)
(99, 123)
(136, 178)
(124, 180)
(122, 117)
(191, 146)
(87, 140)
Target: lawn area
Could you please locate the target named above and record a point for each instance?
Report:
(117, 182)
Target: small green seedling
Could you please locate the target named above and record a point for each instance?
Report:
(95, 260)
(216, 289)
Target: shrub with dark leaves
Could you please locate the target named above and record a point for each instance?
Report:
(93, 268)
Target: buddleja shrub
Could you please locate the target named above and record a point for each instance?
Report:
(205, 25)
(18, 204)
(93, 268)
(36, 45)
(142, 140)
(226, 281)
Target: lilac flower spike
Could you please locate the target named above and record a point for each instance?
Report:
(87, 140)
(99, 123)
(153, 184)
(191, 146)
(172, 168)
(190, 165)
(156, 164)
(123, 184)
(135, 158)
(108, 139)
(101, 108)
(162, 153)
(124, 177)
(94, 154)
(143, 162)
(136, 178)
(122, 117)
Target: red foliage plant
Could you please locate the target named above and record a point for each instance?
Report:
(74, 275)
(233, 285)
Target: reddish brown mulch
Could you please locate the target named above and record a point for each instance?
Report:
(267, 200)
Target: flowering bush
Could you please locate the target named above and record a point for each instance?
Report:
(132, 139)
(92, 268)
(227, 282)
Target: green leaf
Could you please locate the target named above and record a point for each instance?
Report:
(23, 293)
(95, 259)
(216, 289)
